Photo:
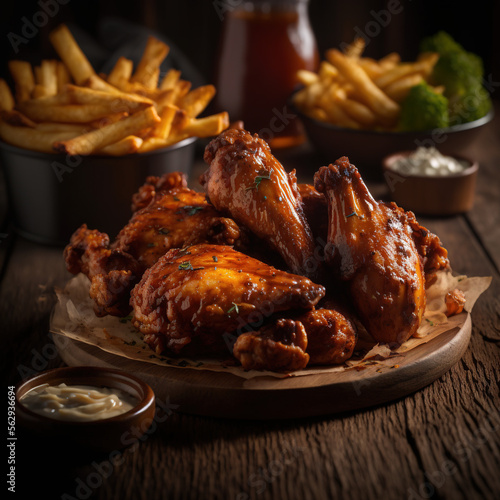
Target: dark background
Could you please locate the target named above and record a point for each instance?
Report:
(194, 25)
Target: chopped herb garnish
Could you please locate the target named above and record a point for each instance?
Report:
(354, 213)
(214, 257)
(162, 230)
(126, 318)
(176, 199)
(151, 245)
(189, 209)
(186, 266)
(132, 342)
(430, 322)
(259, 178)
(233, 308)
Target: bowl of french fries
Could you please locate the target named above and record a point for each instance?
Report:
(355, 105)
(75, 144)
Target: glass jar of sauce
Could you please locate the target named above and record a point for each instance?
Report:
(263, 45)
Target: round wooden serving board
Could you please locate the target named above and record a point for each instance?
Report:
(218, 394)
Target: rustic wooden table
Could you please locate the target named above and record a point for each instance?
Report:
(441, 442)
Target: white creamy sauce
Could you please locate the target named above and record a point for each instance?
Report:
(78, 403)
(429, 161)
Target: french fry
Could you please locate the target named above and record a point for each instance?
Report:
(126, 146)
(389, 61)
(327, 71)
(119, 113)
(95, 82)
(152, 143)
(356, 110)
(195, 101)
(63, 76)
(119, 101)
(399, 89)
(387, 109)
(107, 120)
(403, 70)
(170, 79)
(147, 70)
(14, 117)
(78, 129)
(40, 110)
(6, 98)
(24, 80)
(207, 126)
(162, 129)
(307, 77)
(48, 76)
(37, 140)
(181, 89)
(372, 67)
(356, 48)
(97, 139)
(71, 54)
(121, 72)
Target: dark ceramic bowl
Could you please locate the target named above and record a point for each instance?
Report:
(51, 195)
(366, 149)
(100, 435)
(431, 195)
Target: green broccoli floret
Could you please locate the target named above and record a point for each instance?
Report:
(441, 43)
(424, 109)
(461, 74)
(469, 106)
(457, 71)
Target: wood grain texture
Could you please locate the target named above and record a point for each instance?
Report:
(441, 442)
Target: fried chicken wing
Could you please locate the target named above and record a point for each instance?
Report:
(247, 182)
(204, 291)
(172, 216)
(279, 346)
(331, 336)
(371, 246)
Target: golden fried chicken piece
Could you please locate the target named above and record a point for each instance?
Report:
(316, 337)
(202, 292)
(331, 336)
(153, 185)
(172, 218)
(434, 255)
(371, 246)
(279, 346)
(247, 182)
(455, 302)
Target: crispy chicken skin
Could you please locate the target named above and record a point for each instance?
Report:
(153, 185)
(173, 217)
(316, 337)
(371, 246)
(204, 291)
(279, 346)
(245, 181)
(331, 336)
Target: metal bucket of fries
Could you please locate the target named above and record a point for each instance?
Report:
(51, 195)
